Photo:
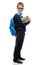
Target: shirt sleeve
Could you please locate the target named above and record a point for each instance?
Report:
(18, 20)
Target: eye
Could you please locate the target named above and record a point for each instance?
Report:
(20, 8)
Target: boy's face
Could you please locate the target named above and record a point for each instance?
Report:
(20, 8)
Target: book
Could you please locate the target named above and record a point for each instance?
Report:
(25, 19)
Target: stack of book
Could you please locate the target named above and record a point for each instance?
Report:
(25, 19)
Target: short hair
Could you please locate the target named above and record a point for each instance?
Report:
(20, 3)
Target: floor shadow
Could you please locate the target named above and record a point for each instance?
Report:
(16, 63)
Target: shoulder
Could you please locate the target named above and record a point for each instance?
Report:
(16, 16)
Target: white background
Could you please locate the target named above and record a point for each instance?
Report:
(33, 44)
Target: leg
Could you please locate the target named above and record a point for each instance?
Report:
(19, 43)
(22, 34)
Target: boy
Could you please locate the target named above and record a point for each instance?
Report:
(20, 28)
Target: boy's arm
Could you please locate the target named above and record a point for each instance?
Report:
(17, 18)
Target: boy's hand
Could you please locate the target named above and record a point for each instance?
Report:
(28, 20)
